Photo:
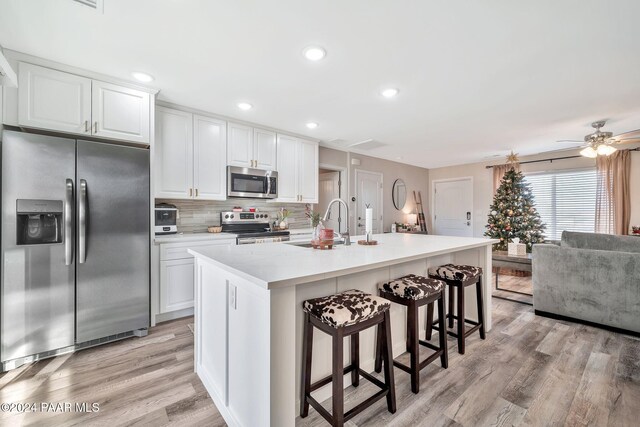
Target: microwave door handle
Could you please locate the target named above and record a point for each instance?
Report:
(268, 185)
(82, 222)
(68, 222)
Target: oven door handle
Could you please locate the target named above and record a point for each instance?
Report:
(246, 241)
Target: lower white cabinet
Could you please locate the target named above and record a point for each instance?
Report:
(176, 273)
(176, 284)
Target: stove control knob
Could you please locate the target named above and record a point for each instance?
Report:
(231, 216)
(226, 217)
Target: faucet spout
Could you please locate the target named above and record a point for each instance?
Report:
(345, 235)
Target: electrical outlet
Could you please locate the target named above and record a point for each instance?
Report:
(233, 296)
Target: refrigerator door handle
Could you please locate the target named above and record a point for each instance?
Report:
(68, 223)
(82, 222)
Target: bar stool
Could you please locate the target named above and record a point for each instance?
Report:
(413, 292)
(345, 314)
(458, 277)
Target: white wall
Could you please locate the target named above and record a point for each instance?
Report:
(415, 178)
(483, 182)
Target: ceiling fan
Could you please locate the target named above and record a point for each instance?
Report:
(601, 143)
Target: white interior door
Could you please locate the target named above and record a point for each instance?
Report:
(368, 192)
(453, 207)
(329, 189)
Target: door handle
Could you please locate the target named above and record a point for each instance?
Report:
(68, 223)
(86, 126)
(196, 192)
(95, 128)
(82, 222)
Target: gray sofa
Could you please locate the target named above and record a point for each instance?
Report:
(589, 277)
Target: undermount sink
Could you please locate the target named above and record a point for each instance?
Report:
(308, 245)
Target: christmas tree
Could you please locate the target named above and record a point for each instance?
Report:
(513, 213)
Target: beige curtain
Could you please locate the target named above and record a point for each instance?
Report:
(498, 173)
(613, 204)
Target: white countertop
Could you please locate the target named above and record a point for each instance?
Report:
(191, 237)
(277, 265)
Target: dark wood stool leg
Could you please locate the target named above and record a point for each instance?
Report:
(442, 332)
(355, 359)
(460, 318)
(307, 347)
(412, 318)
(450, 315)
(480, 301)
(379, 348)
(428, 333)
(388, 363)
(409, 333)
(337, 379)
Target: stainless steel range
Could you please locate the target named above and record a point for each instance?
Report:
(251, 227)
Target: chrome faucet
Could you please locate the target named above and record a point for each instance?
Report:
(345, 235)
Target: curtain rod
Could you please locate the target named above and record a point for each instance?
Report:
(553, 158)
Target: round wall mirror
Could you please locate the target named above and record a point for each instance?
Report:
(399, 194)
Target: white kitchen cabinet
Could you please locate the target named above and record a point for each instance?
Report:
(308, 171)
(249, 147)
(55, 100)
(297, 170)
(176, 284)
(264, 149)
(190, 156)
(51, 99)
(173, 165)
(209, 158)
(120, 113)
(176, 273)
(240, 145)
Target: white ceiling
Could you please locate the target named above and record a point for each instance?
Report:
(476, 79)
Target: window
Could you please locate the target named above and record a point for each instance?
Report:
(566, 200)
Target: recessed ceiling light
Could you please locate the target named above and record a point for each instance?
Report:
(314, 53)
(389, 92)
(142, 77)
(244, 106)
(312, 125)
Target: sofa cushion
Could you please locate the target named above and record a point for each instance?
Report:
(345, 308)
(601, 242)
(413, 287)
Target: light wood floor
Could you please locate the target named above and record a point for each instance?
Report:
(529, 371)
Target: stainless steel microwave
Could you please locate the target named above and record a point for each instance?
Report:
(252, 183)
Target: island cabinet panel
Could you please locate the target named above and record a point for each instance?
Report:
(211, 348)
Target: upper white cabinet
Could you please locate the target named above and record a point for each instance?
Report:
(297, 170)
(119, 112)
(240, 145)
(209, 159)
(249, 147)
(264, 149)
(173, 165)
(190, 156)
(65, 102)
(51, 99)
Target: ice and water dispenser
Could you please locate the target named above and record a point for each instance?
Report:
(39, 222)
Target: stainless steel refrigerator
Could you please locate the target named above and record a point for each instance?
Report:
(75, 245)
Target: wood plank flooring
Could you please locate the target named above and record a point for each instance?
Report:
(530, 371)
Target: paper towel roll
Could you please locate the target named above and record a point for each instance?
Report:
(369, 221)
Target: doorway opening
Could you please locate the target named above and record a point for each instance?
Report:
(331, 186)
(368, 187)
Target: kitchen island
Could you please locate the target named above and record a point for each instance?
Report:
(248, 313)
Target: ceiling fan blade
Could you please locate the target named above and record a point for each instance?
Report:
(573, 141)
(626, 140)
(632, 133)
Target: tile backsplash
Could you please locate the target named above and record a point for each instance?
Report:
(195, 216)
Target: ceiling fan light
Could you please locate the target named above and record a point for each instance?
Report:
(606, 150)
(589, 152)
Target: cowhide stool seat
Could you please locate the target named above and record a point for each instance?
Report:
(414, 292)
(458, 277)
(345, 314)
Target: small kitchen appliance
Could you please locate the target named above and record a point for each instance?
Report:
(166, 219)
